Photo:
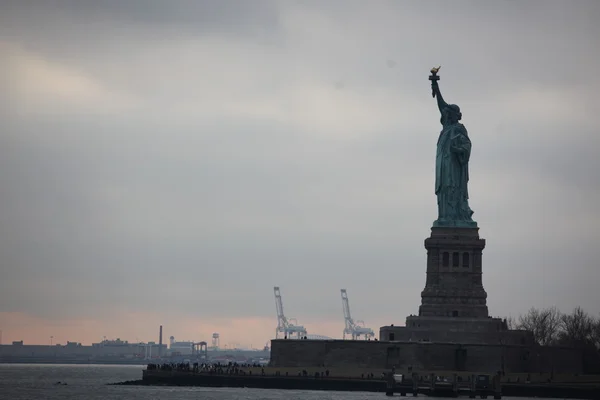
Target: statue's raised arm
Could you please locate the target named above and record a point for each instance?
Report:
(435, 89)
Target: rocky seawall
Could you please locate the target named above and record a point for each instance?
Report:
(589, 390)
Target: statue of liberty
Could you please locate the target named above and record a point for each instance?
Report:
(451, 165)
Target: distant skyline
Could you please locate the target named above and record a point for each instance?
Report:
(170, 162)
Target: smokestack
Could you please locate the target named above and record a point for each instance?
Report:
(160, 342)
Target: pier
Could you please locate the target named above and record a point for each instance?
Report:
(388, 382)
(441, 386)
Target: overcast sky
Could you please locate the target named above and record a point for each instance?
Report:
(172, 161)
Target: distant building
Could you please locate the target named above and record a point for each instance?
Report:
(180, 348)
(123, 348)
(112, 343)
(118, 351)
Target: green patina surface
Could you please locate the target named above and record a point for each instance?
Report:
(452, 166)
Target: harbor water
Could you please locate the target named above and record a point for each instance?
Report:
(40, 381)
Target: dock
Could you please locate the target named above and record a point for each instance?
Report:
(434, 385)
(388, 382)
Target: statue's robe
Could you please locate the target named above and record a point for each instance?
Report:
(452, 175)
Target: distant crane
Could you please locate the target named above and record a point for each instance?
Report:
(355, 329)
(283, 324)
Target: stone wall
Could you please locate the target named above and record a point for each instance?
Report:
(555, 359)
(486, 324)
(455, 330)
(424, 356)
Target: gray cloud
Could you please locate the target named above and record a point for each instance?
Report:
(190, 151)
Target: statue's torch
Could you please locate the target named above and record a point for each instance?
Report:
(434, 78)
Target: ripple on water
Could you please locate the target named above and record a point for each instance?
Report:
(90, 382)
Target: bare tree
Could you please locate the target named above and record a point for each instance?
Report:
(596, 333)
(543, 324)
(577, 328)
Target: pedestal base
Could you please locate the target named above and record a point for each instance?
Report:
(454, 287)
(455, 330)
(454, 224)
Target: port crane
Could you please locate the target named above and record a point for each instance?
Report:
(353, 328)
(284, 325)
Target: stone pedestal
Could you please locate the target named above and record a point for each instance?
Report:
(454, 287)
(454, 303)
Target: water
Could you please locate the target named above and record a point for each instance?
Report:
(38, 381)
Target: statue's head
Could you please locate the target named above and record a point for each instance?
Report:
(451, 114)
